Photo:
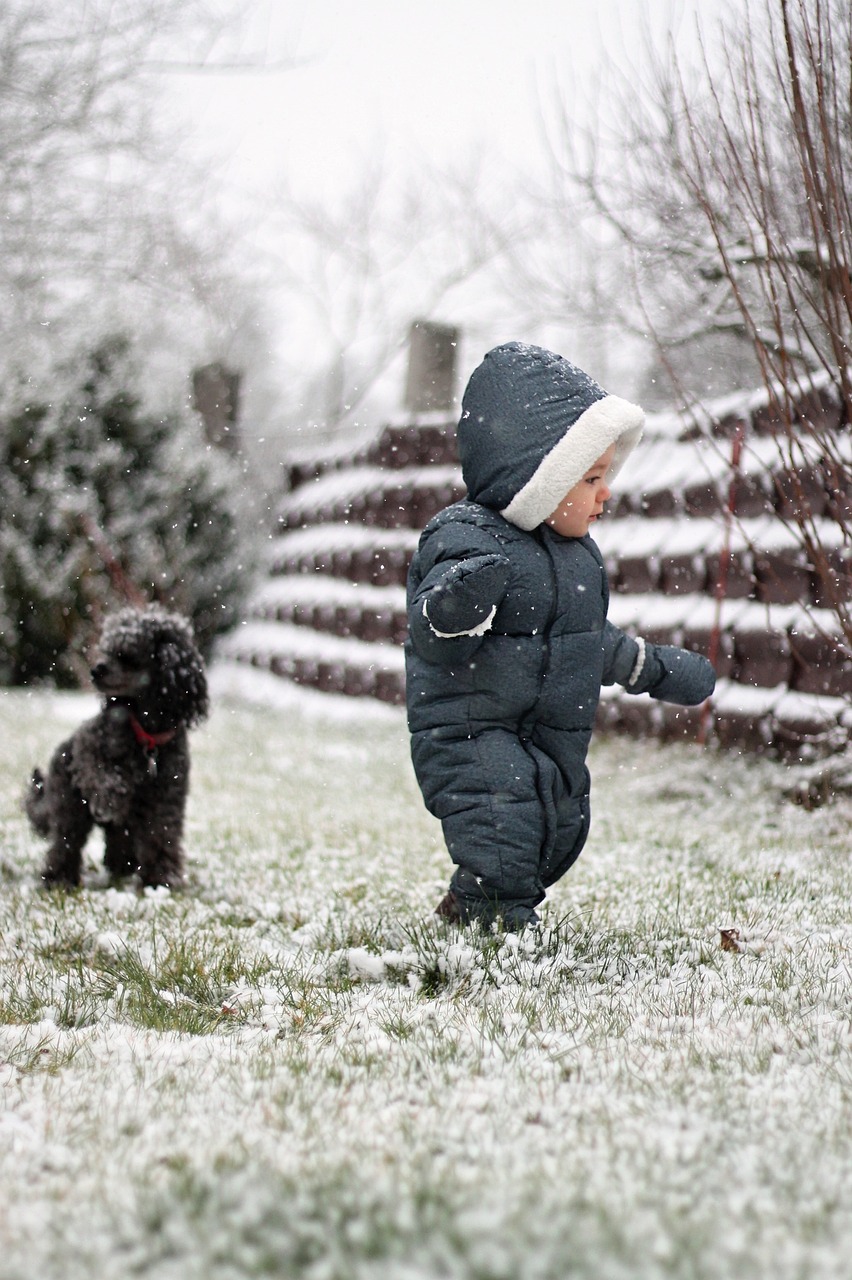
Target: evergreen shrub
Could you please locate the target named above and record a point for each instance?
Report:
(103, 503)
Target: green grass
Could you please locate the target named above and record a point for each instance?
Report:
(292, 1069)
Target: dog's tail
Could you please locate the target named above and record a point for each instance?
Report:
(35, 803)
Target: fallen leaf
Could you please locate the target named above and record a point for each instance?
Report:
(731, 940)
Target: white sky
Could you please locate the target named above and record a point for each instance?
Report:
(441, 80)
(436, 78)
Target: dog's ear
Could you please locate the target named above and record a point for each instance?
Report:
(183, 680)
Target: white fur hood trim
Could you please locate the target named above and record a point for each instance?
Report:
(606, 422)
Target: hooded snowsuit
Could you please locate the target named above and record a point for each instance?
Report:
(508, 637)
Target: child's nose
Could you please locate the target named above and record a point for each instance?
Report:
(604, 493)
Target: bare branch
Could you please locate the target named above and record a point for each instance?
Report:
(727, 207)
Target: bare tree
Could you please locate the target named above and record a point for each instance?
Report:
(622, 239)
(116, 280)
(360, 267)
(726, 194)
(99, 221)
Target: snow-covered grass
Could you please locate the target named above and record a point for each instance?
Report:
(291, 1070)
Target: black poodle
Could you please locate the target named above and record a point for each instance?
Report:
(127, 769)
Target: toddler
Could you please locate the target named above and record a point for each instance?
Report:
(509, 641)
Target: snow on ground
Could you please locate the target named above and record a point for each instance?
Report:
(292, 1070)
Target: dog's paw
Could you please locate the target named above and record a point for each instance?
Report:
(56, 880)
(171, 880)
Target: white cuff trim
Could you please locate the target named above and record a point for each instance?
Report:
(639, 664)
(479, 630)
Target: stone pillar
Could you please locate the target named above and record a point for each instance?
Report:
(430, 384)
(216, 395)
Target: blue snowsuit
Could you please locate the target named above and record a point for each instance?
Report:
(509, 643)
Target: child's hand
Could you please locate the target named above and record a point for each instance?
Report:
(465, 599)
(683, 677)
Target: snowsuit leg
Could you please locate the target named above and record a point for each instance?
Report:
(484, 790)
(563, 783)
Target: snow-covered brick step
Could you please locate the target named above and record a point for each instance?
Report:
(804, 650)
(798, 709)
(426, 421)
(312, 540)
(677, 555)
(346, 485)
(682, 468)
(304, 465)
(793, 618)
(633, 536)
(654, 611)
(324, 661)
(426, 441)
(320, 589)
(761, 645)
(354, 552)
(799, 725)
(272, 639)
(660, 465)
(337, 575)
(334, 605)
(816, 395)
(789, 722)
(665, 464)
(332, 486)
(404, 498)
(403, 443)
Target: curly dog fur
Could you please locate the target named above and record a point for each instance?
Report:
(127, 769)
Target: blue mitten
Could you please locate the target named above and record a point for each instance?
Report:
(681, 676)
(463, 601)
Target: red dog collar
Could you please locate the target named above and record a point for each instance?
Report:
(150, 741)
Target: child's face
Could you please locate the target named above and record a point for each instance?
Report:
(582, 505)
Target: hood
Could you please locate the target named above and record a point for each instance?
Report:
(532, 425)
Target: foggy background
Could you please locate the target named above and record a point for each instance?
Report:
(382, 161)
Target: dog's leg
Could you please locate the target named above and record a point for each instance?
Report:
(70, 823)
(157, 831)
(119, 855)
(156, 823)
(160, 858)
(35, 803)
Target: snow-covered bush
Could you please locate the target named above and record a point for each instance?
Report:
(101, 502)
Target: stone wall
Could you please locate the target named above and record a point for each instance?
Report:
(331, 613)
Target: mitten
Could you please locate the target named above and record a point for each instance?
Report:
(681, 676)
(465, 599)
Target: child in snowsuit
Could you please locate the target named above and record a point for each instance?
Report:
(509, 641)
